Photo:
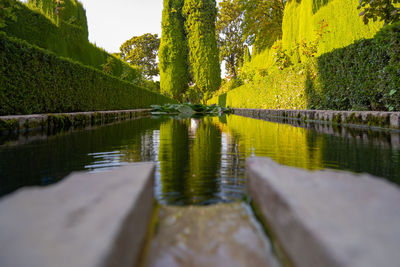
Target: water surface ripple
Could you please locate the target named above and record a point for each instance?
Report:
(199, 160)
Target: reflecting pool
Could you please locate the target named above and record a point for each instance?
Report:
(199, 160)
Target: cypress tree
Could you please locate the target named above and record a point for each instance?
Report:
(173, 65)
(200, 17)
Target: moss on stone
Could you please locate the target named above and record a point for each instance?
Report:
(9, 125)
(337, 118)
(380, 121)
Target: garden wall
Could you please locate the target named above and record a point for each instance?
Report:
(362, 76)
(34, 80)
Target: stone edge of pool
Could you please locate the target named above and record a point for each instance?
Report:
(389, 120)
(327, 218)
(86, 220)
(61, 121)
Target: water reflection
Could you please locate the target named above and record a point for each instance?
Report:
(48, 160)
(200, 160)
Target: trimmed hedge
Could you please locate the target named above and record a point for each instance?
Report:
(278, 90)
(301, 19)
(33, 80)
(67, 40)
(362, 76)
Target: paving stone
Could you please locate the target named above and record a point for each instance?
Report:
(216, 235)
(87, 219)
(328, 218)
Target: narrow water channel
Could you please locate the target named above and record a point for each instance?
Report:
(199, 160)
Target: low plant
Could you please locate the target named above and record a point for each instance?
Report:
(189, 109)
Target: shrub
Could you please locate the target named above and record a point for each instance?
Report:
(362, 76)
(33, 80)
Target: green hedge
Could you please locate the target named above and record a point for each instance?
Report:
(279, 90)
(301, 19)
(67, 40)
(33, 80)
(70, 11)
(361, 76)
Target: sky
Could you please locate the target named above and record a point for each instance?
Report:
(111, 23)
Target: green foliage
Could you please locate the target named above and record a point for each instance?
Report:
(262, 22)
(281, 89)
(192, 95)
(280, 56)
(7, 12)
(200, 17)
(230, 33)
(386, 10)
(302, 19)
(64, 13)
(142, 51)
(66, 40)
(189, 109)
(362, 76)
(33, 80)
(173, 52)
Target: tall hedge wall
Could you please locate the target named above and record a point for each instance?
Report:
(33, 80)
(301, 19)
(65, 39)
(362, 76)
(69, 12)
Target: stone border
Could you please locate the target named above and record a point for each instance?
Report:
(85, 220)
(346, 118)
(63, 121)
(327, 218)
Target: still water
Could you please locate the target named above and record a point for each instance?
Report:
(199, 160)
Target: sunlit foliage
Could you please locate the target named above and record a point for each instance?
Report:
(142, 51)
(173, 53)
(230, 33)
(200, 17)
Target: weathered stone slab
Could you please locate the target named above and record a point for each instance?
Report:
(328, 218)
(88, 219)
(24, 123)
(217, 235)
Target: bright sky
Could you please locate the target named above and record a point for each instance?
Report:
(111, 23)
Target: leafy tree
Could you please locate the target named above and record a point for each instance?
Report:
(262, 24)
(380, 10)
(173, 53)
(142, 51)
(200, 17)
(230, 34)
(7, 11)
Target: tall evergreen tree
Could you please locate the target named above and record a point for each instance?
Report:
(173, 65)
(200, 17)
(230, 33)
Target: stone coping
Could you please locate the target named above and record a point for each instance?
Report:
(87, 219)
(365, 118)
(328, 218)
(213, 235)
(63, 121)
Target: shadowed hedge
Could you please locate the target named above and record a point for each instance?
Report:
(362, 76)
(33, 80)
